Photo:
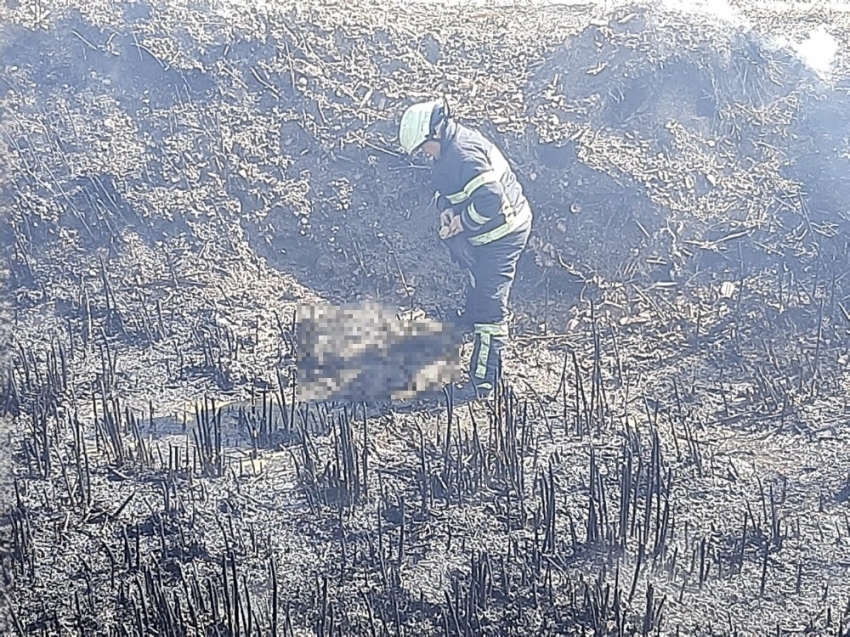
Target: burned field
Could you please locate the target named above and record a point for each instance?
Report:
(668, 454)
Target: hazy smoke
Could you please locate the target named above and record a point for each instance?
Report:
(818, 50)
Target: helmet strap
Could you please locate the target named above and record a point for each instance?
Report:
(439, 119)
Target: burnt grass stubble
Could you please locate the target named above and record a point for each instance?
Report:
(683, 473)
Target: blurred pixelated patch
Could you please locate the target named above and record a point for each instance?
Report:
(367, 352)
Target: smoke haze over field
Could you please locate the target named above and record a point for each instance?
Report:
(211, 202)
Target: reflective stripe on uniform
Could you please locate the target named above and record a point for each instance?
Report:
(513, 220)
(487, 177)
(475, 216)
(491, 329)
(486, 332)
(483, 355)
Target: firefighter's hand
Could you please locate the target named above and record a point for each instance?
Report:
(450, 225)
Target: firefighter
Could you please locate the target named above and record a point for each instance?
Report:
(485, 220)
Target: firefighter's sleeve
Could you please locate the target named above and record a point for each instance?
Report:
(441, 202)
(482, 197)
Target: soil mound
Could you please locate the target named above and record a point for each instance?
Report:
(644, 139)
(704, 126)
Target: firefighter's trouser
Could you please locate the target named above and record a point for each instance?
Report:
(492, 277)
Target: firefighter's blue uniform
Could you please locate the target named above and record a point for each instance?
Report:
(474, 179)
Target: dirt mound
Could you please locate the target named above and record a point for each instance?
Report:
(704, 125)
(643, 140)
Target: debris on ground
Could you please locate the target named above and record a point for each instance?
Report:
(668, 453)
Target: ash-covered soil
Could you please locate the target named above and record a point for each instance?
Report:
(669, 453)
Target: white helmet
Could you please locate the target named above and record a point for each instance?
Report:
(415, 126)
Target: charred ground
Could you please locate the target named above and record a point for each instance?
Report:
(180, 177)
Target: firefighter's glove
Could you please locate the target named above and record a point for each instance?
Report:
(450, 225)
